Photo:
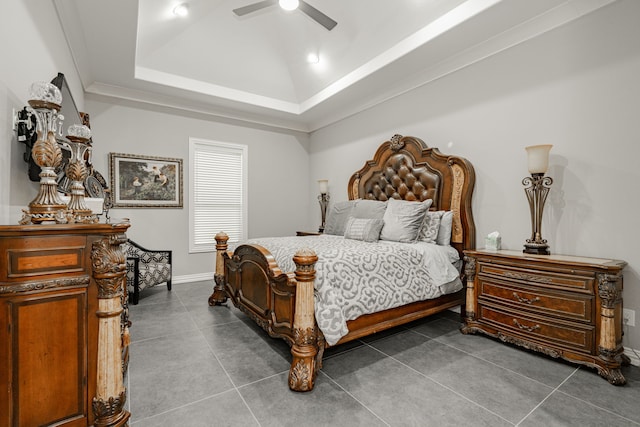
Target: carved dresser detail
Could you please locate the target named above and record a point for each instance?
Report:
(63, 327)
(562, 306)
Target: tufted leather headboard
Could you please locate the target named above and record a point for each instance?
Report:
(405, 168)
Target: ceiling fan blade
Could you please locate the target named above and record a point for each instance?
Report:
(241, 11)
(317, 16)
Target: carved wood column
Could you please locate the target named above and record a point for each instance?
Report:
(219, 295)
(109, 273)
(305, 346)
(470, 273)
(610, 346)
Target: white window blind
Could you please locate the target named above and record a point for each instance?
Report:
(218, 196)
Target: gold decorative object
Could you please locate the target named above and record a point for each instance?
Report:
(78, 136)
(47, 207)
(537, 191)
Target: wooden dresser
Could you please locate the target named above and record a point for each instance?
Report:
(62, 325)
(562, 306)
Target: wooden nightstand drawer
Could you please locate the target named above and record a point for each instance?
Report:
(562, 305)
(531, 327)
(570, 280)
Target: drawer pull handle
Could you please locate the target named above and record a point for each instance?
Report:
(525, 327)
(525, 300)
(528, 277)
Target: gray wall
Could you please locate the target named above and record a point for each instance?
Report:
(575, 87)
(32, 48)
(278, 203)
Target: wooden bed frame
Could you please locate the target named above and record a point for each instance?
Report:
(282, 303)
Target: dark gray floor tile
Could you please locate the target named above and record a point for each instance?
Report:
(155, 295)
(247, 354)
(274, 404)
(537, 366)
(436, 327)
(419, 352)
(563, 410)
(587, 385)
(472, 343)
(161, 390)
(508, 394)
(334, 351)
(155, 320)
(401, 396)
(223, 410)
(169, 352)
(168, 372)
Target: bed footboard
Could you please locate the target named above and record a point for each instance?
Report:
(282, 304)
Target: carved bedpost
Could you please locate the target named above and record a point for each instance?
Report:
(305, 346)
(109, 273)
(470, 273)
(219, 296)
(610, 346)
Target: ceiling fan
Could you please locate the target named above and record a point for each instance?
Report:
(305, 7)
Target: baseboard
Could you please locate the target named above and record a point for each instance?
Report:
(634, 355)
(189, 278)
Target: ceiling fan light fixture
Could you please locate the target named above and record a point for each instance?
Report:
(289, 4)
(181, 10)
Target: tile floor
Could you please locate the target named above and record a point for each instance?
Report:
(194, 365)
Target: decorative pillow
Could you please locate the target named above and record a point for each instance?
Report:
(444, 231)
(369, 209)
(430, 226)
(403, 219)
(366, 229)
(337, 217)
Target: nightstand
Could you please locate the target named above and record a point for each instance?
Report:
(562, 306)
(308, 233)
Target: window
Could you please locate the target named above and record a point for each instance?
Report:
(217, 192)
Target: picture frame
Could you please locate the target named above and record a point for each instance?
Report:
(139, 181)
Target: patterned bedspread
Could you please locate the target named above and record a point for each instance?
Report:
(355, 278)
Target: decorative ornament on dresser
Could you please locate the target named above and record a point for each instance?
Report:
(47, 207)
(323, 199)
(76, 171)
(537, 191)
(26, 126)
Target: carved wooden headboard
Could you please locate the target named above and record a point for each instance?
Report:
(405, 168)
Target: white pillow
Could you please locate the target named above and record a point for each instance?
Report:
(430, 226)
(366, 208)
(337, 217)
(444, 231)
(403, 219)
(366, 229)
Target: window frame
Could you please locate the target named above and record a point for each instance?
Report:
(197, 145)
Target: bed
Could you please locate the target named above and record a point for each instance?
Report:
(283, 288)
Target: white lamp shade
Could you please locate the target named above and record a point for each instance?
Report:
(538, 157)
(323, 185)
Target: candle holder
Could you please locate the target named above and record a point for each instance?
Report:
(537, 190)
(78, 136)
(323, 199)
(47, 207)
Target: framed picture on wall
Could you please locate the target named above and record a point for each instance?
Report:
(145, 181)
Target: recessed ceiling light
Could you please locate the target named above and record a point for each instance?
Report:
(181, 10)
(289, 4)
(313, 58)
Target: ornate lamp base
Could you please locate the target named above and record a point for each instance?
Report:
(536, 248)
